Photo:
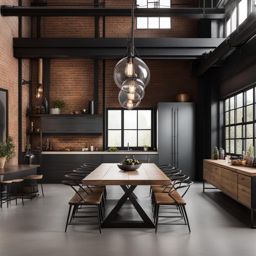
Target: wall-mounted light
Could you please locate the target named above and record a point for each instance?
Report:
(39, 88)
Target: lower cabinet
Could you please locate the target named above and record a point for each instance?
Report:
(244, 190)
(237, 182)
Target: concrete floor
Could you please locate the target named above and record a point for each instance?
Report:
(219, 227)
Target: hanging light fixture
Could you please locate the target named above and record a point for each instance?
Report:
(131, 75)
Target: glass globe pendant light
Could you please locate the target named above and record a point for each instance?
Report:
(128, 100)
(135, 86)
(131, 75)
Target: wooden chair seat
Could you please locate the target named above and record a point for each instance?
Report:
(160, 189)
(17, 180)
(166, 199)
(92, 199)
(34, 177)
(94, 189)
(6, 182)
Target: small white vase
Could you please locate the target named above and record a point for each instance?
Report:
(55, 111)
(2, 162)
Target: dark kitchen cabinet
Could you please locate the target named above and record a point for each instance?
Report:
(72, 124)
(176, 135)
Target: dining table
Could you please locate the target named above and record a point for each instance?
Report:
(109, 174)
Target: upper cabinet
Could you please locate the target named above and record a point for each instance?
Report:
(72, 124)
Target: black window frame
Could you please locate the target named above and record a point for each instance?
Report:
(243, 124)
(159, 27)
(153, 129)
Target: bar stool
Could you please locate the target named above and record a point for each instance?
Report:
(35, 178)
(17, 190)
(5, 188)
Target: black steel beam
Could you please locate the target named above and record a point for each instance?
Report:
(210, 13)
(111, 48)
(239, 37)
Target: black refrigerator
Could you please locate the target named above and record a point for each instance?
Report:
(176, 135)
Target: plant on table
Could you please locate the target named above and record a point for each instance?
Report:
(7, 150)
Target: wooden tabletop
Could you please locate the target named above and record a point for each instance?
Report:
(110, 174)
(17, 168)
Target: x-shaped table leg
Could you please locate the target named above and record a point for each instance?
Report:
(109, 220)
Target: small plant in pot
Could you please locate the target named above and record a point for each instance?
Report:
(6, 151)
(57, 106)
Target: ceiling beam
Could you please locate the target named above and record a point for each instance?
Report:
(199, 13)
(112, 48)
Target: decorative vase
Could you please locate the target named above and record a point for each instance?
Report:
(46, 106)
(55, 111)
(2, 162)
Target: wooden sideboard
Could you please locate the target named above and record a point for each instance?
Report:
(238, 182)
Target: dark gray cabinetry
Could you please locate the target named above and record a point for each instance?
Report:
(68, 124)
(176, 135)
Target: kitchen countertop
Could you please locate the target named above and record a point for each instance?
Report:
(99, 153)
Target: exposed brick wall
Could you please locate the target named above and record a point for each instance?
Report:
(9, 72)
(168, 78)
(72, 79)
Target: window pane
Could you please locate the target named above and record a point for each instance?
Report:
(114, 138)
(227, 118)
(142, 3)
(144, 119)
(249, 130)
(243, 10)
(227, 104)
(232, 132)
(144, 138)
(227, 132)
(239, 147)
(130, 119)
(232, 102)
(232, 117)
(153, 22)
(165, 3)
(249, 97)
(239, 131)
(142, 22)
(233, 20)
(249, 113)
(232, 146)
(165, 22)
(239, 115)
(239, 100)
(249, 143)
(228, 27)
(227, 146)
(114, 119)
(131, 138)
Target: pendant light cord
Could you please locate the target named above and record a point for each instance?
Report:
(132, 32)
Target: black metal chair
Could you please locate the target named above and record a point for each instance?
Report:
(83, 198)
(173, 198)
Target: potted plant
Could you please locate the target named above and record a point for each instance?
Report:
(57, 106)
(6, 151)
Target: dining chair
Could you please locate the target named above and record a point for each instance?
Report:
(173, 198)
(83, 198)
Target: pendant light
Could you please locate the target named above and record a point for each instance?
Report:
(131, 75)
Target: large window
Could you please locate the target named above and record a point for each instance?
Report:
(240, 122)
(133, 127)
(153, 22)
(237, 16)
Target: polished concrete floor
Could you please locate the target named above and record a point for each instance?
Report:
(219, 227)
